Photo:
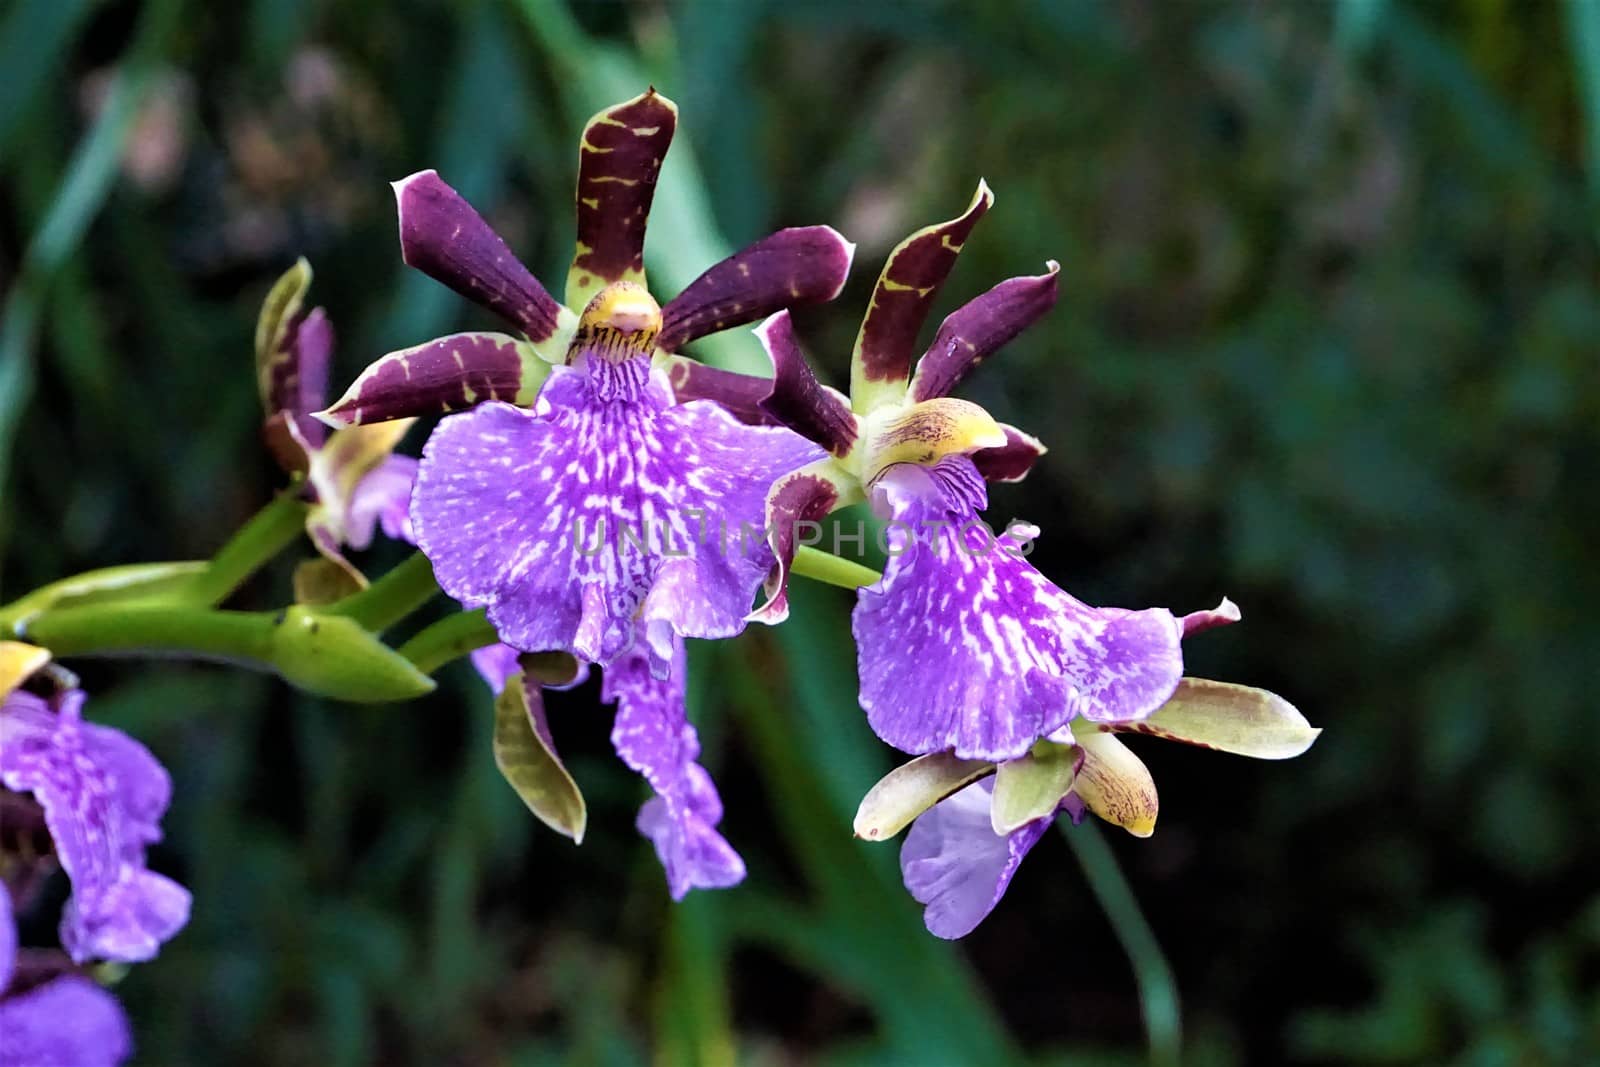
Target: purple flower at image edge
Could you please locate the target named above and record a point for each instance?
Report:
(103, 796)
(68, 1021)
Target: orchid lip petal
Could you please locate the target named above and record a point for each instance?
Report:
(447, 374)
(1228, 718)
(792, 267)
(981, 327)
(881, 363)
(955, 865)
(798, 400)
(1011, 461)
(445, 238)
(619, 160)
(739, 394)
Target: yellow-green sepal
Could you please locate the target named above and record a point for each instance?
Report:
(528, 762)
(1229, 718)
(1032, 787)
(911, 789)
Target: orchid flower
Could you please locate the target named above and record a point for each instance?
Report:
(579, 497)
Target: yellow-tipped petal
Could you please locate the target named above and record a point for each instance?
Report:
(18, 662)
(1115, 784)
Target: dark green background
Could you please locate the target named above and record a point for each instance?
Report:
(1327, 343)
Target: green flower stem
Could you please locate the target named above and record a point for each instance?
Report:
(239, 637)
(328, 655)
(143, 581)
(1158, 993)
(270, 531)
(820, 566)
(391, 598)
(449, 639)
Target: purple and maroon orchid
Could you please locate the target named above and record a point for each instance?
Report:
(582, 496)
(969, 657)
(352, 477)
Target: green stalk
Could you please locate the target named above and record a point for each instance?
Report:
(1158, 992)
(449, 639)
(269, 532)
(821, 566)
(391, 598)
(325, 654)
(143, 581)
(239, 637)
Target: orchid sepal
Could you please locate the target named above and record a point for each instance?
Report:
(447, 374)
(1032, 787)
(1228, 718)
(880, 365)
(911, 789)
(619, 160)
(527, 760)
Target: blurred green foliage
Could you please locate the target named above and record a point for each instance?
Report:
(1327, 343)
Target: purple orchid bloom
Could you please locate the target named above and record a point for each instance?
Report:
(582, 496)
(67, 1019)
(103, 796)
(973, 822)
(353, 479)
(963, 646)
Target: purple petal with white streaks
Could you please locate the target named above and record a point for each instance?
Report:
(103, 795)
(653, 735)
(954, 863)
(604, 503)
(964, 646)
(382, 498)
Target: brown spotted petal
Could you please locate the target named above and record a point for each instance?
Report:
(445, 238)
(927, 432)
(619, 160)
(979, 328)
(796, 505)
(900, 304)
(739, 394)
(294, 350)
(1115, 784)
(797, 400)
(447, 374)
(802, 265)
(1011, 461)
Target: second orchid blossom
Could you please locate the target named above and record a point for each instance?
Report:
(969, 657)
